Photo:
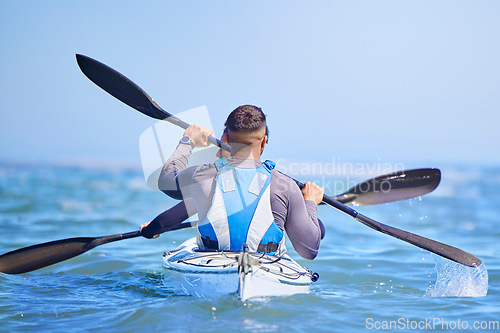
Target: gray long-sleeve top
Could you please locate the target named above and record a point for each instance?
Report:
(291, 212)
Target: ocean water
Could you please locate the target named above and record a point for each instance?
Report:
(368, 281)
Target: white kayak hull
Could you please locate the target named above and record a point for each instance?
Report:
(250, 275)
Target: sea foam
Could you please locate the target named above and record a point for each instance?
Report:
(456, 280)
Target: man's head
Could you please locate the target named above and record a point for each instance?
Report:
(247, 125)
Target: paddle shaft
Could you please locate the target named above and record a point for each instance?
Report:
(211, 139)
(131, 94)
(113, 238)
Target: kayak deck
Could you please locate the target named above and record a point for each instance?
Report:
(213, 273)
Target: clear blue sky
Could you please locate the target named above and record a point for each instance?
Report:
(403, 81)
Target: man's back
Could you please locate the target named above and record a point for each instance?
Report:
(291, 213)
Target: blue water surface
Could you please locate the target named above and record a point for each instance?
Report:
(368, 280)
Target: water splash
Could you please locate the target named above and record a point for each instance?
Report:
(456, 280)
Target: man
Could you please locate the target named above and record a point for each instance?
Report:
(240, 200)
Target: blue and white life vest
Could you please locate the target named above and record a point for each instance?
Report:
(241, 211)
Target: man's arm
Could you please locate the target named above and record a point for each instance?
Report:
(174, 178)
(302, 226)
(170, 180)
(169, 219)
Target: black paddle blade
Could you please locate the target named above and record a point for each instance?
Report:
(400, 185)
(37, 256)
(120, 87)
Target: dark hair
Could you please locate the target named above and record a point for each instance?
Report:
(246, 118)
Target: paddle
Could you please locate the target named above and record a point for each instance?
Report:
(128, 92)
(30, 258)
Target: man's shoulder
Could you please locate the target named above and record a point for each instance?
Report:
(203, 169)
(278, 176)
(283, 182)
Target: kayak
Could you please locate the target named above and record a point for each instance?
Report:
(208, 273)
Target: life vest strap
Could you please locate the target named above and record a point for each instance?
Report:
(270, 247)
(210, 244)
